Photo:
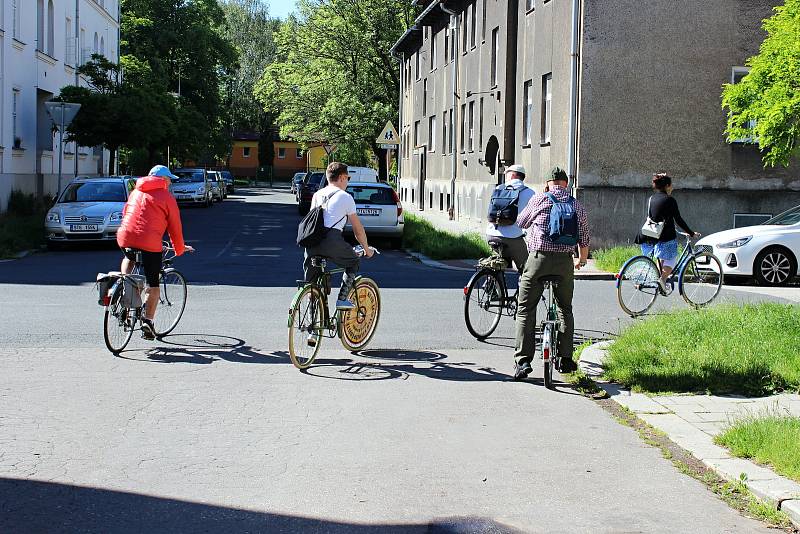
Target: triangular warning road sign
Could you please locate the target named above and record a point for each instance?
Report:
(388, 136)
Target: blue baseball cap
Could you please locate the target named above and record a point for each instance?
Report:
(162, 171)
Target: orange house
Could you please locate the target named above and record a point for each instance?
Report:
(289, 157)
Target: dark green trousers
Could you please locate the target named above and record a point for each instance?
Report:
(530, 291)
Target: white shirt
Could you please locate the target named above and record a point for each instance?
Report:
(512, 231)
(340, 205)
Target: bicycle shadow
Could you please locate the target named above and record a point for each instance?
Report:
(204, 349)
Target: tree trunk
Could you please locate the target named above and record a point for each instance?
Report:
(383, 171)
(112, 159)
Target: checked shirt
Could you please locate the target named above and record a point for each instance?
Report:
(536, 217)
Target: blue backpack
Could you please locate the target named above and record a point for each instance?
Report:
(504, 205)
(563, 222)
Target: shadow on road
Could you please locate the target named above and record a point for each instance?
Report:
(34, 506)
(203, 349)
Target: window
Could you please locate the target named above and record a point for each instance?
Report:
(15, 133)
(483, 22)
(69, 45)
(473, 30)
(282, 152)
(96, 44)
(480, 125)
(453, 42)
(472, 126)
(463, 125)
(246, 152)
(416, 134)
(527, 112)
(529, 5)
(446, 44)
(102, 46)
(495, 53)
(83, 47)
(444, 133)
(464, 30)
(452, 133)
(547, 106)
(16, 7)
(300, 154)
(50, 28)
(432, 133)
(737, 73)
(425, 96)
(40, 25)
(433, 51)
(416, 65)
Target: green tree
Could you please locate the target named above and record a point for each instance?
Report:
(334, 79)
(765, 105)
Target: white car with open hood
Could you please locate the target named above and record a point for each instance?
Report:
(768, 252)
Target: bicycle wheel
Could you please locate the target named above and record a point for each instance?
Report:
(357, 326)
(700, 280)
(171, 302)
(305, 326)
(483, 303)
(637, 285)
(548, 354)
(117, 322)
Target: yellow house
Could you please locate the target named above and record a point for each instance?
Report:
(317, 158)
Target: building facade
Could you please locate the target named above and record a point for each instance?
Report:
(488, 83)
(289, 157)
(42, 42)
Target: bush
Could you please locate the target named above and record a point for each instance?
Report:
(422, 236)
(751, 349)
(22, 225)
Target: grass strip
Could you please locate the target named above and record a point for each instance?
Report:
(22, 225)
(750, 349)
(768, 439)
(612, 259)
(422, 236)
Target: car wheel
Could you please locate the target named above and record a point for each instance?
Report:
(774, 266)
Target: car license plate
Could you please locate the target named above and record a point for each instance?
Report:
(368, 211)
(83, 228)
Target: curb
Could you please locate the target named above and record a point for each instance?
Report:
(19, 255)
(425, 260)
(778, 491)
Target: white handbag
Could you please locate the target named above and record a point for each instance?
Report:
(651, 228)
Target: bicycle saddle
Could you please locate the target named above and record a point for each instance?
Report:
(554, 278)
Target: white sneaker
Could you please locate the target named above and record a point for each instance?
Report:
(344, 305)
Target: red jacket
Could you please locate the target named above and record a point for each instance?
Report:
(151, 209)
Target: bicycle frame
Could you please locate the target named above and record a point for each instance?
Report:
(328, 323)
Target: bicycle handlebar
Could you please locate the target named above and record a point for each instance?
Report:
(359, 250)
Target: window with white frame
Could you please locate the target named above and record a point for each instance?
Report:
(300, 153)
(495, 54)
(473, 29)
(527, 113)
(40, 25)
(483, 21)
(416, 134)
(462, 142)
(444, 132)
(464, 31)
(246, 152)
(737, 73)
(433, 50)
(282, 152)
(417, 68)
(16, 8)
(102, 46)
(432, 133)
(529, 5)
(446, 44)
(425, 96)
(82, 57)
(51, 31)
(472, 126)
(15, 104)
(452, 132)
(547, 106)
(69, 42)
(480, 125)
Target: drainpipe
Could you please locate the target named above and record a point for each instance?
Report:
(453, 25)
(78, 52)
(573, 96)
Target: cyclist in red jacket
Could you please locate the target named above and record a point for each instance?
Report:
(150, 211)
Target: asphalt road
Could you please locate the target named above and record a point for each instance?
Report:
(213, 430)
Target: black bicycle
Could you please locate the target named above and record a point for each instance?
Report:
(124, 307)
(486, 295)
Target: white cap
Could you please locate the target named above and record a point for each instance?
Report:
(515, 168)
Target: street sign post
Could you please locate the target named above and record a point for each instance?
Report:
(61, 114)
(388, 140)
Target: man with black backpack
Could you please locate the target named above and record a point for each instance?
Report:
(507, 202)
(321, 231)
(557, 223)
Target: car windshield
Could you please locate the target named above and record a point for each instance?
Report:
(227, 175)
(372, 195)
(185, 177)
(213, 177)
(94, 192)
(791, 216)
(316, 178)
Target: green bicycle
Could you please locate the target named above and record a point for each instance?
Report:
(310, 319)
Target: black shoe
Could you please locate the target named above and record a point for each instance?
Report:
(148, 330)
(566, 365)
(521, 371)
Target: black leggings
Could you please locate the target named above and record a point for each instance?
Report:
(151, 262)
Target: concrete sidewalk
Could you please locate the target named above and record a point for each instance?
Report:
(692, 422)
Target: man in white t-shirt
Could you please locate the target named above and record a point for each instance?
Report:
(338, 208)
(511, 235)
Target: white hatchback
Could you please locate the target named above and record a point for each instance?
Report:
(767, 252)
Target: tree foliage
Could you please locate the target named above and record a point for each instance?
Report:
(765, 105)
(334, 79)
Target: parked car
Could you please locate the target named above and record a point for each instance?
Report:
(192, 187)
(362, 174)
(229, 181)
(218, 188)
(767, 252)
(380, 211)
(89, 209)
(297, 179)
(311, 184)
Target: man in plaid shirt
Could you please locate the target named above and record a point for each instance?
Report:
(548, 258)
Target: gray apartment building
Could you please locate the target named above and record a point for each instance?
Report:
(610, 90)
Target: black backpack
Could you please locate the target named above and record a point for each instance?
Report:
(312, 229)
(504, 205)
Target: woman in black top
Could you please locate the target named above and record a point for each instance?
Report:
(663, 207)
